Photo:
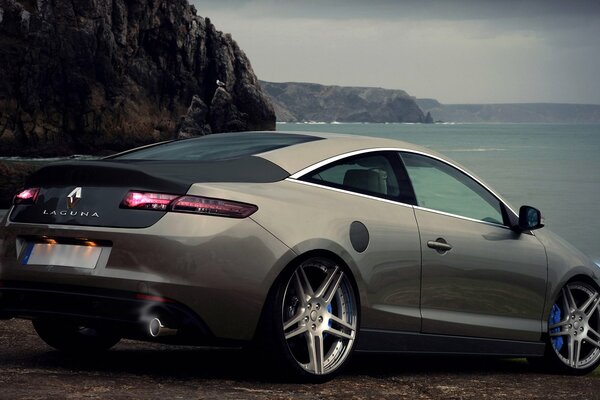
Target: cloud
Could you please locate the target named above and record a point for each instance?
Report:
(454, 50)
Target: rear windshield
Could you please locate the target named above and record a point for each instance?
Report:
(222, 146)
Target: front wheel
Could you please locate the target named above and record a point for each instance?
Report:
(574, 330)
(73, 338)
(314, 319)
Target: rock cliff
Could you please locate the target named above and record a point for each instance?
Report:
(301, 102)
(93, 76)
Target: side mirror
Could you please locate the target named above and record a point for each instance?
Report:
(530, 218)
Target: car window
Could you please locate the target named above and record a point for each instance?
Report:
(373, 174)
(439, 186)
(225, 146)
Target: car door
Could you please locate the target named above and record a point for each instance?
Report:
(479, 277)
(379, 200)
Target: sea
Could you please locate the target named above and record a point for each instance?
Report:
(553, 167)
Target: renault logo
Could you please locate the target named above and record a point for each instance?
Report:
(73, 197)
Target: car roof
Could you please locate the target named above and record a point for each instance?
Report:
(302, 155)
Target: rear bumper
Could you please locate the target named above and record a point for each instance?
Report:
(219, 269)
(122, 312)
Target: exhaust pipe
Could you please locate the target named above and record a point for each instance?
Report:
(155, 328)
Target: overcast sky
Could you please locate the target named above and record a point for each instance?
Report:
(457, 51)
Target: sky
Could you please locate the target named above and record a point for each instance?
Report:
(456, 51)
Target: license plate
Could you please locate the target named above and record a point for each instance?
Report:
(64, 255)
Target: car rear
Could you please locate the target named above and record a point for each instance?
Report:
(118, 242)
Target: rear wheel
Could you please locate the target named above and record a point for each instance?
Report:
(314, 320)
(574, 330)
(71, 337)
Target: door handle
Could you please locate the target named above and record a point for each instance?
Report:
(440, 245)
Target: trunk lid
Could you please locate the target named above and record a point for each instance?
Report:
(89, 193)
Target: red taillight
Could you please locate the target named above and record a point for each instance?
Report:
(208, 206)
(151, 201)
(26, 196)
(187, 204)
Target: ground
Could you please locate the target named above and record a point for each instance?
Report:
(134, 370)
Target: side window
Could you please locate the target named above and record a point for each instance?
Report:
(439, 186)
(372, 174)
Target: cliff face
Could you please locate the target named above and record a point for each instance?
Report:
(299, 102)
(88, 76)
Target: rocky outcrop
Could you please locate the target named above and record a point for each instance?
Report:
(88, 76)
(302, 102)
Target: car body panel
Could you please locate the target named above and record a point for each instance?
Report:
(492, 283)
(565, 263)
(309, 217)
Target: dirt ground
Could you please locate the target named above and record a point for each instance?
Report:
(133, 370)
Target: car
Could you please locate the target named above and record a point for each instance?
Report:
(307, 246)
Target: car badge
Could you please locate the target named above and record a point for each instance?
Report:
(73, 197)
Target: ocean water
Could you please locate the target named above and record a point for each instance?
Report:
(555, 168)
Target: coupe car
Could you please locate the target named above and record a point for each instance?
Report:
(308, 245)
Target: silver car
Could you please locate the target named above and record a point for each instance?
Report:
(309, 245)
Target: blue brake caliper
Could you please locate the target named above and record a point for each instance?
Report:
(555, 317)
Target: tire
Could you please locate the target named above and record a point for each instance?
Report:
(312, 321)
(573, 342)
(73, 338)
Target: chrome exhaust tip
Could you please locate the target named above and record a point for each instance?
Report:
(155, 328)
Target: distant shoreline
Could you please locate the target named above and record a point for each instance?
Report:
(434, 123)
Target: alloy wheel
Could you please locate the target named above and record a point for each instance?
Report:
(320, 316)
(574, 326)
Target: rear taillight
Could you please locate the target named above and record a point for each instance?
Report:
(26, 196)
(208, 206)
(188, 204)
(149, 201)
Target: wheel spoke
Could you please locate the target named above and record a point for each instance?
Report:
(315, 352)
(343, 323)
(333, 288)
(297, 318)
(304, 283)
(299, 289)
(577, 344)
(339, 333)
(592, 309)
(589, 302)
(300, 329)
(593, 342)
(593, 332)
(574, 352)
(571, 349)
(561, 333)
(570, 300)
(566, 307)
(326, 282)
(559, 324)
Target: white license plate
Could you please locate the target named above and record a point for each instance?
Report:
(64, 255)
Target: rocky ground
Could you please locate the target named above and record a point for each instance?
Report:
(31, 370)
